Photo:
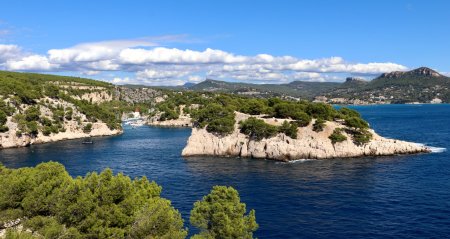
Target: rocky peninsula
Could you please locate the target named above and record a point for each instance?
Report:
(308, 145)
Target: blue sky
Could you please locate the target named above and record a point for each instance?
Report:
(250, 41)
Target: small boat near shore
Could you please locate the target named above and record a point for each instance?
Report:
(87, 141)
(137, 123)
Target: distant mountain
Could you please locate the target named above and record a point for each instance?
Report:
(188, 84)
(298, 89)
(419, 85)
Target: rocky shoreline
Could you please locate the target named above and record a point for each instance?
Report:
(309, 145)
(11, 140)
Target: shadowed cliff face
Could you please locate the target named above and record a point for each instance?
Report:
(308, 145)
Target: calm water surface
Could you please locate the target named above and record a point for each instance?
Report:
(387, 197)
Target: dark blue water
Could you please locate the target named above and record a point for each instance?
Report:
(388, 197)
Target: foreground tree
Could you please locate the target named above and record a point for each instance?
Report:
(54, 205)
(222, 215)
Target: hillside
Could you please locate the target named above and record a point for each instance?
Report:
(39, 108)
(420, 85)
(297, 89)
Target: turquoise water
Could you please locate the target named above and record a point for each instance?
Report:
(387, 197)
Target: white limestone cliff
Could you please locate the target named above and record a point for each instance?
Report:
(309, 145)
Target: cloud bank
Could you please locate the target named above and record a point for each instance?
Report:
(146, 62)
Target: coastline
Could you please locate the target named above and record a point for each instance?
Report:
(309, 145)
(11, 140)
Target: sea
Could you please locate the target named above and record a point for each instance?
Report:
(403, 196)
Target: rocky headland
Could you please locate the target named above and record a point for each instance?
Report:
(308, 145)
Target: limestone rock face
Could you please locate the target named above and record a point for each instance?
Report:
(309, 145)
(73, 130)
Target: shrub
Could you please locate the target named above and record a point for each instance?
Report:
(46, 130)
(257, 129)
(337, 136)
(361, 136)
(221, 126)
(3, 128)
(32, 113)
(289, 129)
(357, 123)
(320, 110)
(3, 117)
(46, 121)
(318, 125)
(32, 128)
(87, 128)
(169, 114)
(217, 118)
(8, 110)
(253, 107)
(69, 113)
(301, 119)
(346, 112)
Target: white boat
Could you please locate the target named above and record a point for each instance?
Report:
(136, 123)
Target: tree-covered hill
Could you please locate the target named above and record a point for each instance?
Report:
(419, 85)
(297, 89)
(36, 107)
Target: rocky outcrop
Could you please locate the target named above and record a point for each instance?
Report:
(73, 128)
(137, 95)
(11, 140)
(422, 71)
(309, 145)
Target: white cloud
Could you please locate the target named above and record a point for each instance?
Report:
(94, 51)
(9, 52)
(33, 62)
(152, 64)
(154, 74)
(177, 56)
(195, 79)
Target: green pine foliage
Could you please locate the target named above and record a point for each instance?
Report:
(216, 118)
(357, 123)
(257, 129)
(221, 214)
(319, 125)
(337, 136)
(289, 129)
(52, 204)
(104, 205)
(361, 136)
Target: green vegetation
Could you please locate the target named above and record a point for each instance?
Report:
(289, 129)
(216, 118)
(27, 90)
(52, 204)
(337, 136)
(419, 85)
(357, 123)
(318, 125)
(257, 129)
(3, 119)
(215, 111)
(87, 128)
(361, 136)
(222, 215)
